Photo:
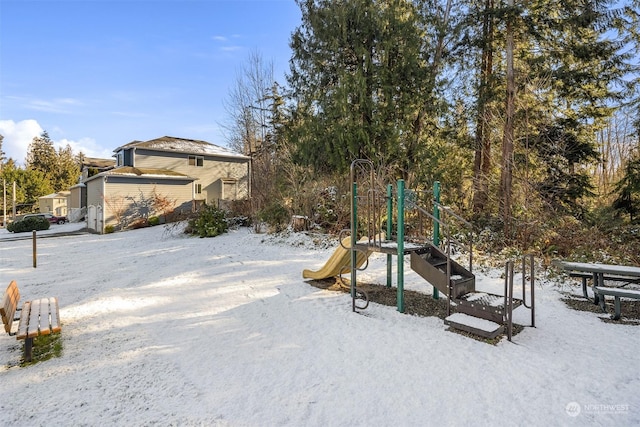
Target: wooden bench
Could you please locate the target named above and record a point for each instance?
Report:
(37, 317)
(617, 293)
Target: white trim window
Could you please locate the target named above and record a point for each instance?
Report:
(196, 161)
(197, 188)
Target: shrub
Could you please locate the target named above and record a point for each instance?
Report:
(275, 215)
(108, 229)
(29, 224)
(154, 220)
(209, 222)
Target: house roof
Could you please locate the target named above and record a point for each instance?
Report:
(142, 173)
(191, 146)
(60, 195)
(94, 162)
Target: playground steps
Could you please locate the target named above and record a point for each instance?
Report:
(484, 305)
(479, 313)
(475, 325)
(431, 264)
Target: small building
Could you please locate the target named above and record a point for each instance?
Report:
(56, 203)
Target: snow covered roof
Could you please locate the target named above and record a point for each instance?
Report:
(59, 195)
(98, 163)
(191, 146)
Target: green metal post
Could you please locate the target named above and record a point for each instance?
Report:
(354, 231)
(389, 231)
(436, 224)
(400, 234)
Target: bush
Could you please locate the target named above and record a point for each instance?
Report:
(275, 215)
(154, 220)
(209, 222)
(29, 224)
(108, 229)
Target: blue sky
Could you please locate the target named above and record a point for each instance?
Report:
(97, 74)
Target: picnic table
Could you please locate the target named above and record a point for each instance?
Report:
(599, 273)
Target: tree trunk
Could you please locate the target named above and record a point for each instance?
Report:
(482, 161)
(507, 141)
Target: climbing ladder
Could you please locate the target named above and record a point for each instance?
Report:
(480, 313)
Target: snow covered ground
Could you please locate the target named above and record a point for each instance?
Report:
(164, 329)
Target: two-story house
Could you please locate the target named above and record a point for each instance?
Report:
(55, 203)
(162, 175)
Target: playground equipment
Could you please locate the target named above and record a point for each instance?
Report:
(339, 263)
(480, 313)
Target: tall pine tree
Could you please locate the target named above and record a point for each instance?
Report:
(59, 168)
(358, 75)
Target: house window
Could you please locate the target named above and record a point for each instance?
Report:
(198, 188)
(196, 161)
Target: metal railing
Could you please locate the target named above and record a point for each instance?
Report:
(508, 291)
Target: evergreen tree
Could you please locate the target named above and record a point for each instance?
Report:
(59, 168)
(30, 185)
(567, 70)
(578, 66)
(67, 171)
(358, 75)
(628, 189)
(41, 154)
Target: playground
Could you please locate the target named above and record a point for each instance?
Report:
(436, 230)
(159, 328)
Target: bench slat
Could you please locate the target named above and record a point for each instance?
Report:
(9, 305)
(44, 321)
(23, 326)
(617, 292)
(609, 278)
(34, 319)
(55, 315)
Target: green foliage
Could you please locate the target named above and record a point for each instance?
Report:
(628, 190)
(359, 79)
(41, 154)
(60, 168)
(29, 224)
(209, 222)
(108, 229)
(154, 220)
(275, 215)
(30, 184)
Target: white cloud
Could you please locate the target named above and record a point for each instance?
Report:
(57, 105)
(231, 48)
(17, 137)
(88, 146)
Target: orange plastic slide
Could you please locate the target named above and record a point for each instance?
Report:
(339, 263)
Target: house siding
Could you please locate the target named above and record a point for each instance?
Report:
(214, 171)
(129, 198)
(124, 199)
(75, 197)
